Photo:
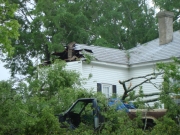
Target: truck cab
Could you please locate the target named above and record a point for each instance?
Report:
(87, 111)
(83, 110)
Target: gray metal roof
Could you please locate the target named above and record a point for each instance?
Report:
(148, 52)
(152, 51)
(104, 54)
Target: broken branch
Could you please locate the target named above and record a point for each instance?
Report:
(129, 89)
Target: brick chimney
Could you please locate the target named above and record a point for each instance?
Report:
(165, 20)
(70, 50)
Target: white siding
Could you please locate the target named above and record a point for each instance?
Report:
(111, 74)
(104, 74)
(147, 87)
(74, 66)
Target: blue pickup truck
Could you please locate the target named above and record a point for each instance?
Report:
(87, 109)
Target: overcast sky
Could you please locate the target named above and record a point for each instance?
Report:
(5, 74)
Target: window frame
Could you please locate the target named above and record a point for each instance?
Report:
(112, 89)
(107, 92)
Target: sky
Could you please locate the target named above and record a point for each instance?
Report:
(5, 74)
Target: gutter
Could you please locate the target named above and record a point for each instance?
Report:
(150, 63)
(109, 64)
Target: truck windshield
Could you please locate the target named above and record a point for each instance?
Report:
(78, 107)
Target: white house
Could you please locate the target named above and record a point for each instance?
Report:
(111, 65)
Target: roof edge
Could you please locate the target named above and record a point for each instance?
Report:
(148, 63)
(110, 64)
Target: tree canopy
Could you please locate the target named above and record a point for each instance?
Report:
(48, 26)
(170, 5)
(8, 26)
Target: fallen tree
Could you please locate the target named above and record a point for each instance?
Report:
(170, 85)
(147, 79)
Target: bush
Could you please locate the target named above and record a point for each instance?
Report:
(30, 109)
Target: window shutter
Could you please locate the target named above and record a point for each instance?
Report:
(114, 89)
(99, 89)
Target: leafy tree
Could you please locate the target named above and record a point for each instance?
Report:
(170, 86)
(166, 126)
(168, 89)
(8, 26)
(11, 106)
(30, 109)
(126, 23)
(170, 5)
(48, 26)
(24, 49)
(129, 92)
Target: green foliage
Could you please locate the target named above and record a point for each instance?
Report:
(118, 122)
(47, 26)
(88, 58)
(29, 115)
(170, 5)
(30, 109)
(8, 26)
(166, 126)
(170, 87)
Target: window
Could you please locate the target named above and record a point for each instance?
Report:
(107, 89)
(78, 107)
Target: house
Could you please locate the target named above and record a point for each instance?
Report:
(111, 65)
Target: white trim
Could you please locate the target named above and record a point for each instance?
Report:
(127, 66)
(109, 64)
(150, 63)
